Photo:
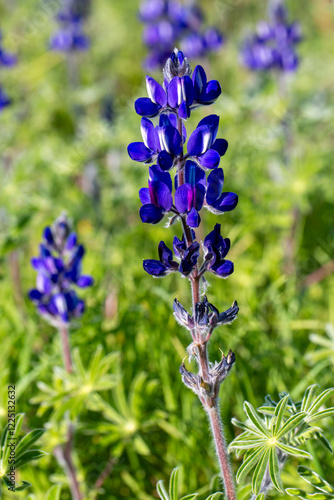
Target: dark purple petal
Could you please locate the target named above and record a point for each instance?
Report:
(71, 241)
(35, 295)
(224, 269)
(151, 214)
(170, 140)
(149, 134)
(184, 198)
(193, 218)
(199, 141)
(227, 202)
(211, 93)
(154, 267)
(214, 238)
(215, 185)
(199, 80)
(210, 159)
(144, 195)
(48, 236)
(44, 284)
(174, 92)
(211, 121)
(156, 92)
(184, 110)
(187, 90)
(139, 152)
(165, 160)
(157, 174)
(220, 145)
(198, 196)
(162, 195)
(193, 174)
(145, 107)
(165, 254)
(85, 281)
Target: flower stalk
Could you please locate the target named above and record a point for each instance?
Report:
(164, 144)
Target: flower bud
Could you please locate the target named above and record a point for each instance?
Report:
(176, 65)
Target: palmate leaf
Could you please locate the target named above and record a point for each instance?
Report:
(291, 424)
(295, 452)
(296, 492)
(320, 400)
(307, 398)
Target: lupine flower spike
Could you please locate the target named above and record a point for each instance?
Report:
(71, 18)
(197, 182)
(7, 60)
(169, 23)
(59, 275)
(272, 46)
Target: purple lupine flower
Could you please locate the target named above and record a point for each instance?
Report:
(218, 201)
(162, 143)
(58, 269)
(71, 18)
(180, 94)
(7, 60)
(273, 44)
(217, 248)
(157, 199)
(169, 23)
(202, 144)
(164, 265)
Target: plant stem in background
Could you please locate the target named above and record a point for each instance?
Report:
(64, 453)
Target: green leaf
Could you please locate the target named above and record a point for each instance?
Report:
(215, 496)
(290, 424)
(246, 427)
(53, 493)
(255, 419)
(28, 440)
(329, 412)
(249, 463)
(279, 413)
(244, 443)
(190, 497)
(321, 399)
(79, 367)
(295, 452)
(274, 469)
(313, 478)
(162, 490)
(173, 484)
(261, 496)
(260, 471)
(307, 398)
(324, 441)
(23, 486)
(29, 456)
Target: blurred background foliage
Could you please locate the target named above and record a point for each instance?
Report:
(64, 148)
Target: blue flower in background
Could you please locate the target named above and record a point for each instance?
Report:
(169, 23)
(7, 60)
(273, 44)
(58, 269)
(71, 18)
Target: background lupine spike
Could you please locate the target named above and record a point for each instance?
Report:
(59, 274)
(71, 18)
(168, 23)
(273, 45)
